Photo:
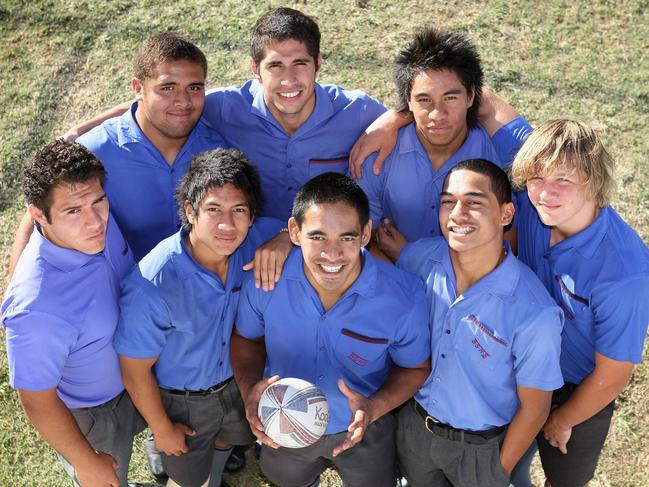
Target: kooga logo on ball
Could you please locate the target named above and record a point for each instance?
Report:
(321, 416)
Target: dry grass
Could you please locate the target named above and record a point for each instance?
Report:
(62, 61)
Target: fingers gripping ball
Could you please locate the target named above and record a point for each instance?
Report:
(294, 412)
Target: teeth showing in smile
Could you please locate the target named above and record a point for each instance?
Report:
(331, 269)
(462, 230)
(292, 94)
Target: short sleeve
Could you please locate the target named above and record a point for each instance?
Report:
(212, 112)
(415, 254)
(412, 342)
(144, 320)
(621, 315)
(537, 349)
(38, 346)
(250, 317)
(509, 139)
(372, 185)
(373, 109)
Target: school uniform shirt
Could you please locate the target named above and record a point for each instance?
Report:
(140, 184)
(175, 309)
(600, 278)
(407, 191)
(285, 162)
(60, 312)
(380, 321)
(502, 332)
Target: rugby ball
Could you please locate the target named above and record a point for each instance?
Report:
(294, 412)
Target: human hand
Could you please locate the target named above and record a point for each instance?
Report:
(380, 136)
(98, 472)
(389, 239)
(269, 260)
(171, 438)
(555, 433)
(251, 402)
(361, 408)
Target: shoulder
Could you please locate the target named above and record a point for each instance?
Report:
(343, 99)
(625, 245)
(415, 255)
(102, 136)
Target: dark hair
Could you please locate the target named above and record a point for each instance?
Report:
(282, 24)
(434, 49)
(216, 168)
(498, 179)
(163, 48)
(331, 187)
(58, 162)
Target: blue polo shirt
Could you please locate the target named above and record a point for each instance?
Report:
(140, 184)
(600, 278)
(285, 162)
(60, 313)
(175, 309)
(408, 188)
(381, 320)
(503, 332)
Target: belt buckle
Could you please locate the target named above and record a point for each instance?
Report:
(433, 420)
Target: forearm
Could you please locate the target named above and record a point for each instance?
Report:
(248, 358)
(494, 112)
(401, 385)
(524, 427)
(145, 392)
(55, 423)
(594, 393)
(24, 232)
(91, 123)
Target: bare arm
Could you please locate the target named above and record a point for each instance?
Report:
(248, 359)
(56, 424)
(598, 389)
(532, 413)
(25, 229)
(494, 112)
(400, 386)
(144, 391)
(380, 136)
(78, 130)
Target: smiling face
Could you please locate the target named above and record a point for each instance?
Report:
(78, 217)
(219, 225)
(287, 73)
(561, 200)
(439, 102)
(331, 238)
(470, 216)
(171, 101)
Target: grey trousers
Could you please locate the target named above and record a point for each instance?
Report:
(429, 460)
(109, 428)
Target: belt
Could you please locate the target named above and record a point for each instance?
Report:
(203, 392)
(455, 434)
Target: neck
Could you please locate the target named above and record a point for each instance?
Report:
(562, 232)
(291, 122)
(167, 146)
(439, 154)
(470, 267)
(218, 264)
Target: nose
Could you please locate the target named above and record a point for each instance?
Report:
(436, 113)
(458, 211)
(95, 219)
(183, 98)
(331, 251)
(226, 222)
(289, 78)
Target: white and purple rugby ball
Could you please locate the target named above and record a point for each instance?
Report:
(294, 412)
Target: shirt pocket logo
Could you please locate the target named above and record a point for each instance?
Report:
(359, 350)
(480, 342)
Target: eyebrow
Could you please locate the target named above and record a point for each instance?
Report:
(313, 233)
(449, 92)
(477, 194)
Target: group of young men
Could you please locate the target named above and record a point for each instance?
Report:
(220, 245)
